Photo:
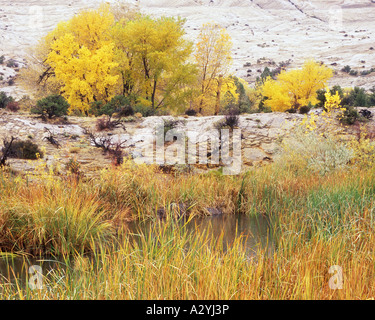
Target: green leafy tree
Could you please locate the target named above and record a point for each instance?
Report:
(359, 97)
(51, 106)
(119, 105)
(5, 100)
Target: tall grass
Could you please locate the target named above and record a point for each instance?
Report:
(317, 221)
(170, 263)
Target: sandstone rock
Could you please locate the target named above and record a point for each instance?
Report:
(251, 155)
(269, 147)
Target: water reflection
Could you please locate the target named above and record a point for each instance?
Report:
(15, 270)
(254, 230)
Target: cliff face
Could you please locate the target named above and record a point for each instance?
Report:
(259, 140)
(264, 32)
(259, 134)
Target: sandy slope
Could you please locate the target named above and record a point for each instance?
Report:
(271, 29)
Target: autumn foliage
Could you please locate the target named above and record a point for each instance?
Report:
(213, 56)
(295, 88)
(116, 51)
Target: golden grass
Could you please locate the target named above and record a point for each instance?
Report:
(317, 222)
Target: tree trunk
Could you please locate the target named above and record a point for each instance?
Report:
(153, 94)
(218, 95)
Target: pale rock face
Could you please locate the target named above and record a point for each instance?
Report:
(260, 135)
(259, 139)
(253, 155)
(338, 32)
(269, 148)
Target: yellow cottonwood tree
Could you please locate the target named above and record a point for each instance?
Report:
(213, 56)
(123, 13)
(91, 28)
(228, 94)
(81, 57)
(125, 58)
(86, 75)
(159, 58)
(295, 88)
(115, 51)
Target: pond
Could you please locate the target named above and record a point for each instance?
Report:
(253, 230)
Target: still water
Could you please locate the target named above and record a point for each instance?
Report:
(254, 232)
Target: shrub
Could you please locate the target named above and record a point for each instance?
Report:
(363, 145)
(13, 106)
(356, 97)
(262, 107)
(5, 100)
(320, 95)
(12, 64)
(191, 112)
(113, 106)
(371, 97)
(366, 72)
(272, 73)
(349, 116)
(96, 107)
(353, 72)
(231, 121)
(119, 105)
(105, 123)
(366, 114)
(232, 118)
(51, 106)
(145, 111)
(115, 149)
(24, 150)
(117, 154)
(305, 109)
(359, 97)
(346, 69)
(51, 138)
(292, 110)
(309, 150)
(125, 111)
(2, 59)
(244, 104)
(73, 167)
(266, 109)
(337, 88)
(170, 125)
(5, 151)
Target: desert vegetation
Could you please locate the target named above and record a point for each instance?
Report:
(319, 208)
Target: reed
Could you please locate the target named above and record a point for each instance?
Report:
(316, 222)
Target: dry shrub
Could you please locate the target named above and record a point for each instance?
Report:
(13, 106)
(309, 150)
